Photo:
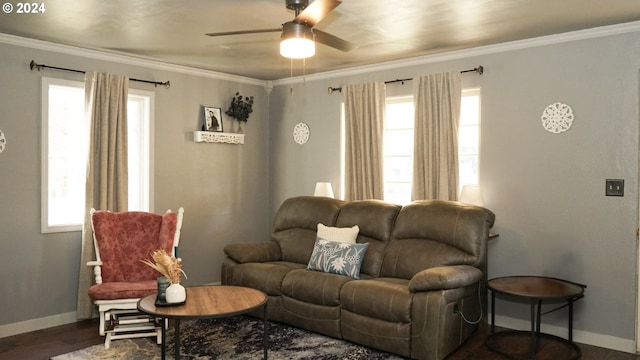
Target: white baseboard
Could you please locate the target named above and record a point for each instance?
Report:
(43, 323)
(579, 336)
(37, 324)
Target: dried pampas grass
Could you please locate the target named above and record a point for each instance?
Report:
(167, 265)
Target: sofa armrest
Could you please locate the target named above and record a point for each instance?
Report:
(445, 277)
(253, 252)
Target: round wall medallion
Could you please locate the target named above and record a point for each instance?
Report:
(301, 133)
(3, 141)
(557, 118)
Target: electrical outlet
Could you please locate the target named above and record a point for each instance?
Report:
(615, 187)
(456, 308)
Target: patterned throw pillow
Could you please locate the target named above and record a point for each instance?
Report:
(337, 257)
(347, 235)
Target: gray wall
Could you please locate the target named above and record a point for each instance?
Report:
(547, 190)
(222, 187)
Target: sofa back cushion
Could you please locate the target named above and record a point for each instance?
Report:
(375, 220)
(296, 225)
(433, 233)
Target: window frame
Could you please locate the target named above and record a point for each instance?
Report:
(147, 164)
(44, 176)
(147, 99)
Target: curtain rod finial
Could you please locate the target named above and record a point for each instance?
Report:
(33, 64)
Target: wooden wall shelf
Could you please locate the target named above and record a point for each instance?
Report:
(218, 137)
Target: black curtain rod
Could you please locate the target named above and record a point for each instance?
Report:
(33, 65)
(479, 70)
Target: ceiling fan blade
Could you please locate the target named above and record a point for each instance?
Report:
(316, 11)
(242, 32)
(333, 41)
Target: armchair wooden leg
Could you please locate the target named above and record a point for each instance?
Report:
(101, 329)
(107, 340)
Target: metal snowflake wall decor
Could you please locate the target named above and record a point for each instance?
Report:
(557, 118)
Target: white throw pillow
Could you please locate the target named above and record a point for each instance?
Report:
(345, 235)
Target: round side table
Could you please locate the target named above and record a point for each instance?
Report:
(536, 290)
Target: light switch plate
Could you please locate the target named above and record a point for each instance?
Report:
(615, 187)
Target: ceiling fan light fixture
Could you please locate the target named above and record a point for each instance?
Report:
(297, 41)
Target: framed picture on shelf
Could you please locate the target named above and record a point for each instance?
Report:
(212, 118)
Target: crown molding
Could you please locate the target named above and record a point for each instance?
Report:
(466, 53)
(269, 84)
(125, 59)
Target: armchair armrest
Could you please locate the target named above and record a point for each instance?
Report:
(97, 270)
(253, 252)
(445, 277)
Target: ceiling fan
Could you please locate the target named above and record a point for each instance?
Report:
(298, 35)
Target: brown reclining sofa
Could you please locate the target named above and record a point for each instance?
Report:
(425, 263)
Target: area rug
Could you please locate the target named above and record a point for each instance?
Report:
(239, 337)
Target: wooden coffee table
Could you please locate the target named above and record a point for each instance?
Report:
(205, 302)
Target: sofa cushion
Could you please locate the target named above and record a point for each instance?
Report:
(434, 233)
(375, 220)
(314, 287)
(337, 257)
(386, 299)
(266, 277)
(330, 233)
(122, 290)
(296, 225)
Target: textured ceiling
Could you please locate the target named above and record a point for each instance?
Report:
(173, 31)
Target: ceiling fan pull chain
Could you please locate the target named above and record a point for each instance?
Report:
(291, 77)
(304, 72)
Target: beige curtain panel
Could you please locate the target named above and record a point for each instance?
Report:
(364, 130)
(106, 97)
(437, 100)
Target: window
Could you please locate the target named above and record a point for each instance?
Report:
(139, 107)
(398, 150)
(65, 134)
(398, 143)
(469, 138)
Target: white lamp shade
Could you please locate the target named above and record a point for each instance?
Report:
(297, 48)
(297, 41)
(323, 189)
(471, 194)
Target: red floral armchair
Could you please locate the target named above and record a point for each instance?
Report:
(122, 240)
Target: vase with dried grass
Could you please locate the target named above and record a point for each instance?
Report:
(171, 269)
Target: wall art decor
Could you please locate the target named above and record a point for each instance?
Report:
(557, 118)
(301, 133)
(211, 118)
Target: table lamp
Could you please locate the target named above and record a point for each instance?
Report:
(323, 189)
(471, 194)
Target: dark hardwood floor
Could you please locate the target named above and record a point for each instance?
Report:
(43, 344)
